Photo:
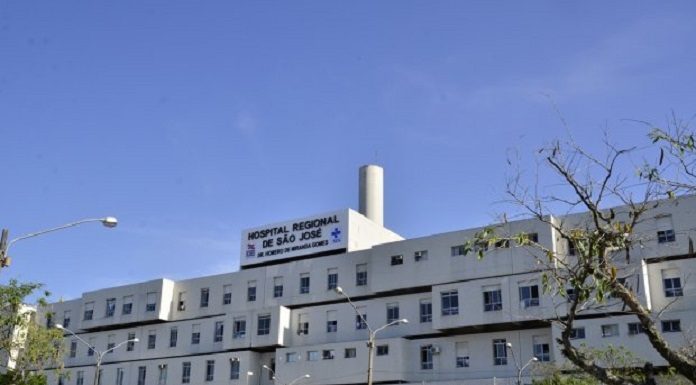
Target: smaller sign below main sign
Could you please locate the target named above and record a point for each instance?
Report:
(293, 238)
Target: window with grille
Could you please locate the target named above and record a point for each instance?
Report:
(499, 352)
(492, 299)
(450, 302)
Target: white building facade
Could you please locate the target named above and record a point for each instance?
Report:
(280, 310)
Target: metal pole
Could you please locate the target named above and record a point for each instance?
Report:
(98, 366)
(370, 356)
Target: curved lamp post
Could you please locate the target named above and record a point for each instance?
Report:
(99, 354)
(275, 377)
(517, 364)
(372, 333)
(5, 245)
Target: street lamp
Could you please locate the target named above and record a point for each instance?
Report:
(275, 377)
(100, 354)
(109, 222)
(372, 333)
(249, 374)
(517, 364)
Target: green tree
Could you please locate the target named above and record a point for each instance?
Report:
(604, 238)
(29, 346)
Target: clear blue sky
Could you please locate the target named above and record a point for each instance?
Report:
(192, 120)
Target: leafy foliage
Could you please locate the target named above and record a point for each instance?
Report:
(31, 346)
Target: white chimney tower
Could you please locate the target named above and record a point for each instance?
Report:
(371, 202)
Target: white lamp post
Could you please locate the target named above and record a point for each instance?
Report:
(99, 354)
(5, 245)
(372, 333)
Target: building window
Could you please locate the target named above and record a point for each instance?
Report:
(462, 354)
(89, 311)
(426, 357)
(73, 349)
(66, 318)
(392, 312)
(664, 236)
(533, 237)
(492, 298)
(120, 374)
(80, 380)
(185, 372)
(182, 301)
(571, 294)
(151, 339)
(665, 229)
(349, 353)
(304, 283)
(499, 352)
(173, 336)
(239, 327)
(672, 283)
(331, 322)
(671, 326)
(635, 328)
(529, 296)
(251, 291)
(542, 348)
(426, 310)
(110, 344)
(264, 325)
(361, 274)
(219, 331)
(397, 260)
(312, 355)
(130, 345)
(234, 369)
(332, 279)
(195, 334)
(209, 370)
(457, 250)
(127, 307)
(141, 375)
(571, 247)
(205, 296)
(382, 350)
(226, 294)
(90, 350)
(162, 378)
(420, 255)
(361, 319)
(110, 307)
(303, 324)
(277, 287)
(292, 357)
(611, 330)
(450, 302)
(577, 333)
(502, 244)
(327, 354)
(151, 303)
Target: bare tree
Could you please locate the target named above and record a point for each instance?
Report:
(602, 239)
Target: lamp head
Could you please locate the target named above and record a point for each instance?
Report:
(266, 367)
(250, 373)
(403, 321)
(307, 376)
(338, 290)
(109, 222)
(535, 359)
(135, 340)
(59, 326)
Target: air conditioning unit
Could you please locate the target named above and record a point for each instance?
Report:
(435, 349)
